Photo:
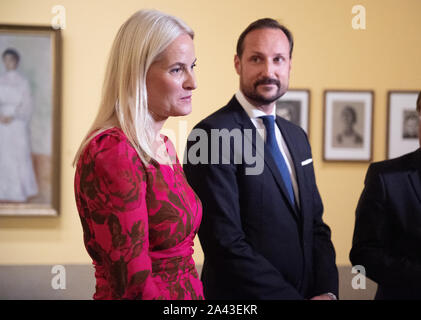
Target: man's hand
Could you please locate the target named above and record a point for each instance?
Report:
(324, 296)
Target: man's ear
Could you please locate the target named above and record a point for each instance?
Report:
(237, 64)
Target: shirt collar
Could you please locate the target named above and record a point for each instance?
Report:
(251, 110)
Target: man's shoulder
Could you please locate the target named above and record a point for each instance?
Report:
(221, 118)
(396, 165)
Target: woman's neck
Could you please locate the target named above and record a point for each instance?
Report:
(157, 123)
(158, 146)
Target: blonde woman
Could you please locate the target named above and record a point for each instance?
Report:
(138, 213)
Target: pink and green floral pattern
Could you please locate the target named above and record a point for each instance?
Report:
(138, 221)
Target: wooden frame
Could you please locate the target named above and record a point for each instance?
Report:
(31, 127)
(348, 125)
(402, 123)
(296, 102)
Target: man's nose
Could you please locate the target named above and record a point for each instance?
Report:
(268, 69)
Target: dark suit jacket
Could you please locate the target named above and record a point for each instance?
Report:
(387, 235)
(257, 245)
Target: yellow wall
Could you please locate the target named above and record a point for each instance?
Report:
(329, 54)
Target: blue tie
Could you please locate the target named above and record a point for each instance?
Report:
(269, 122)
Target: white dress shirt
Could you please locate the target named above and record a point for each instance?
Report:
(254, 115)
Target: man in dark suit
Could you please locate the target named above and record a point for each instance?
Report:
(387, 235)
(262, 231)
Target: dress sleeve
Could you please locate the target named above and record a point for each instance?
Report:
(113, 182)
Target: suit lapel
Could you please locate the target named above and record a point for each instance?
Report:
(245, 123)
(415, 175)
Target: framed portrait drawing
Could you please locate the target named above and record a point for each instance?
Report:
(295, 107)
(402, 127)
(348, 125)
(29, 120)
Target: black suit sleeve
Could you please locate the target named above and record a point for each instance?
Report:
(222, 238)
(324, 267)
(372, 234)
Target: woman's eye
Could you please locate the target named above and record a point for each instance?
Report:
(176, 70)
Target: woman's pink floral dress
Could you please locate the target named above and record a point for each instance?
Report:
(138, 222)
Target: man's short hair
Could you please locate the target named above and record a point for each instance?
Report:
(419, 102)
(12, 52)
(261, 24)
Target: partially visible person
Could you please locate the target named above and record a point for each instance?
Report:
(262, 233)
(138, 213)
(17, 177)
(349, 136)
(387, 232)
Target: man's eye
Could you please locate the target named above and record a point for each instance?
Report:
(255, 59)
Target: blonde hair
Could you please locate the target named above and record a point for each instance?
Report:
(138, 43)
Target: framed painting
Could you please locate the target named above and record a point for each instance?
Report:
(402, 127)
(30, 78)
(295, 107)
(348, 125)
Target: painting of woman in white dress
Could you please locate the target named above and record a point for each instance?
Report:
(17, 176)
(29, 120)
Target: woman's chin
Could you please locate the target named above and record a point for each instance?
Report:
(186, 110)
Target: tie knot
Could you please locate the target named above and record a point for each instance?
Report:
(269, 122)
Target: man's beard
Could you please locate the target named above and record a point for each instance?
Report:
(260, 99)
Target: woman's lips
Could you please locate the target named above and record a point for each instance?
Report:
(186, 98)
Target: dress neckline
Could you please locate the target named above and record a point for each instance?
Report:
(168, 145)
